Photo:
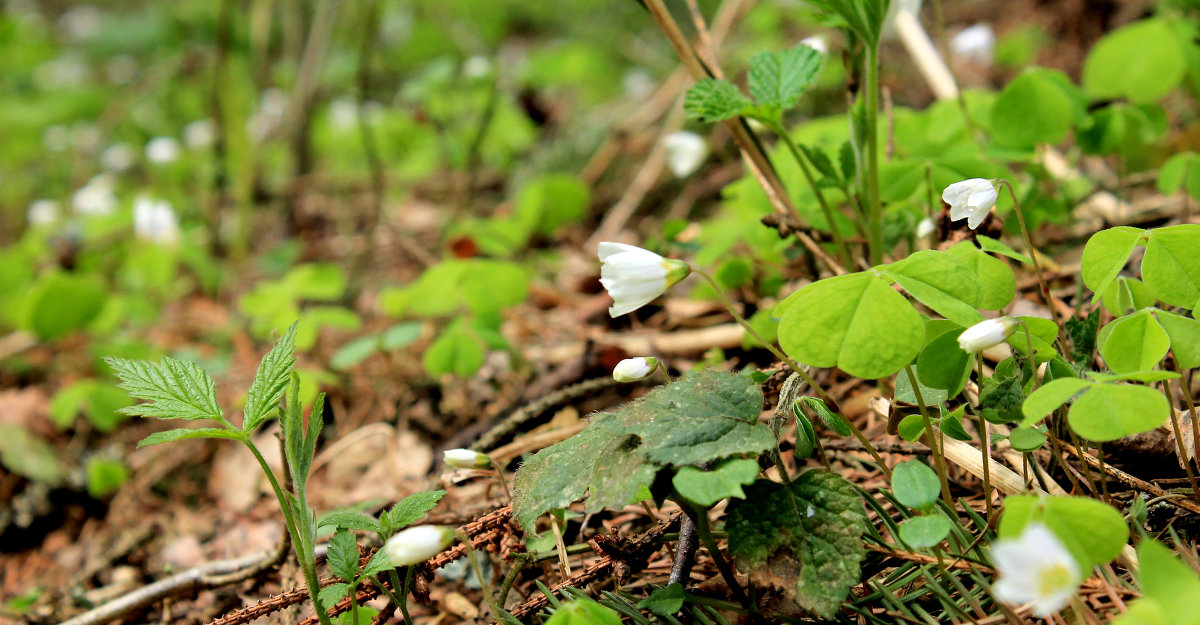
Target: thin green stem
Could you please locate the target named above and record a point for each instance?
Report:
(700, 518)
(875, 211)
(1179, 447)
(1045, 288)
(934, 438)
(1185, 388)
(843, 251)
(519, 562)
(795, 367)
(984, 443)
(404, 590)
(500, 478)
(304, 547)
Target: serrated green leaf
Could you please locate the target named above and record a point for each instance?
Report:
(724, 481)
(711, 100)
(855, 322)
(343, 555)
(349, 519)
(778, 79)
(180, 434)
(769, 540)
(378, 563)
(924, 531)
(270, 381)
(1082, 333)
(664, 601)
(176, 389)
(704, 417)
(941, 282)
(1171, 267)
(333, 593)
(915, 485)
(413, 508)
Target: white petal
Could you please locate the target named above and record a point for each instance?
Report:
(977, 218)
(957, 193)
(608, 248)
(959, 211)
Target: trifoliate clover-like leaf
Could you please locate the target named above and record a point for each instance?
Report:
(778, 79)
(705, 417)
(805, 542)
(711, 100)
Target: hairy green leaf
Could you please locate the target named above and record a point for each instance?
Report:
(711, 100)
(704, 417)
(777, 79)
(413, 508)
(349, 519)
(176, 389)
(179, 434)
(270, 381)
(815, 527)
(333, 593)
(378, 563)
(343, 555)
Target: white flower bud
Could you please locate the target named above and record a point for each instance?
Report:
(972, 199)
(634, 369)
(925, 228)
(975, 43)
(466, 459)
(154, 220)
(1035, 567)
(986, 334)
(162, 150)
(816, 42)
(418, 544)
(686, 152)
(634, 276)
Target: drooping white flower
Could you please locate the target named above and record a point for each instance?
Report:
(972, 199)
(686, 151)
(634, 276)
(816, 42)
(986, 334)
(154, 220)
(634, 369)
(42, 212)
(199, 134)
(925, 228)
(118, 157)
(975, 43)
(162, 150)
(418, 544)
(1035, 567)
(466, 459)
(96, 198)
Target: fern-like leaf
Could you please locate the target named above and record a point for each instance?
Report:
(174, 389)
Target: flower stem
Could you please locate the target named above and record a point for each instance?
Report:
(984, 443)
(795, 367)
(1045, 288)
(874, 210)
(843, 250)
(934, 437)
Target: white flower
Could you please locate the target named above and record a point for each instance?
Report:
(162, 150)
(418, 544)
(686, 151)
(343, 113)
(154, 220)
(95, 198)
(976, 43)
(816, 42)
(477, 67)
(986, 333)
(972, 199)
(637, 83)
(118, 157)
(42, 212)
(199, 134)
(1035, 567)
(466, 459)
(634, 276)
(634, 369)
(925, 228)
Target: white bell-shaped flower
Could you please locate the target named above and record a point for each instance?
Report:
(634, 369)
(987, 333)
(1037, 568)
(634, 276)
(418, 544)
(686, 151)
(971, 199)
(466, 459)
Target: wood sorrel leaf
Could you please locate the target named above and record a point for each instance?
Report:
(1140, 62)
(856, 322)
(704, 417)
(804, 541)
(1169, 583)
(941, 282)
(1049, 397)
(997, 285)
(1185, 337)
(1171, 267)
(1093, 531)
(1133, 343)
(1109, 411)
(944, 365)
(924, 531)
(1105, 254)
(915, 485)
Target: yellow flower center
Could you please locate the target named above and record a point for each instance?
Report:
(1055, 579)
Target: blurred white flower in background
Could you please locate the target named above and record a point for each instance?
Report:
(686, 151)
(199, 134)
(272, 104)
(477, 67)
(1035, 567)
(86, 136)
(343, 113)
(816, 42)
(96, 198)
(154, 220)
(162, 150)
(81, 22)
(925, 228)
(975, 43)
(42, 212)
(120, 69)
(118, 157)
